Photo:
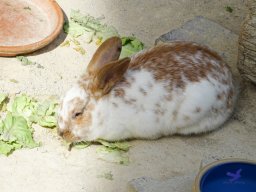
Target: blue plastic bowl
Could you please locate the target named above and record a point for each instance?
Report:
(231, 175)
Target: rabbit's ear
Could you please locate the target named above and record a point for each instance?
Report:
(108, 51)
(106, 78)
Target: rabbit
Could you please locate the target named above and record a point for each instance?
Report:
(173, 88)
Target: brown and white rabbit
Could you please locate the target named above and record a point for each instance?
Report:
(175, 88)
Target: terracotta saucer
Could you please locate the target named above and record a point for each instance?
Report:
(26, 26)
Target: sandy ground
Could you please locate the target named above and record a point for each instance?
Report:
(52, 168)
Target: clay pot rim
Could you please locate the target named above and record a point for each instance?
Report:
(24, 49)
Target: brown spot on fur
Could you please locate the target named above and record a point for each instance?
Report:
(168, 97)
(157, 105)
(230, 99)
(76, 102)
(133, 100)
(119, 92)
(85, 120)
(126, 83)
(68, 136)
(220, 96)
(198, 110)
(130, 101)
(150, 85)
(186, 118)
(225, 82)
(175, 115)
(90, 107)
(215, 110)
(142, 108)
(143, 91)
(159, 112)
(114, 104)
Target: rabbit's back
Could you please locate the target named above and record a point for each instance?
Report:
(172, 88)
(182, 63)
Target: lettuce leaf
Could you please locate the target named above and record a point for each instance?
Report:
(25, 61)
(15, 133)
(130, 46)
(88, 27)
(7, 148)
(123, 146)
(42, 113)
(114, 152)
(45, 114)
(113, 155)
(82, 144)
(16, 128)
(106, 33)
(92, 28)
(74, 29)
(88, 22)
(22, 105)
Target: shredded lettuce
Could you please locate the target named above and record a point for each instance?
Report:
(42, 113)
(22, 105)
(45, 114)
(114, 152)
(7, 148)
(82, 144)
(130, 46)
(25, 61)
(123, 146)
(88, 27)
(15, 133)
(91, 29)
(113, 155)
(21, 112)
(74, 29)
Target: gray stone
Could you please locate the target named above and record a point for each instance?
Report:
(206, 32)
(176, 184)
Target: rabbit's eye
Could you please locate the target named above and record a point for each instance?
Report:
(76, 115)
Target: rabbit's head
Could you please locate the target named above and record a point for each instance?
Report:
(102, 73)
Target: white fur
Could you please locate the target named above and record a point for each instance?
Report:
(140, 121)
